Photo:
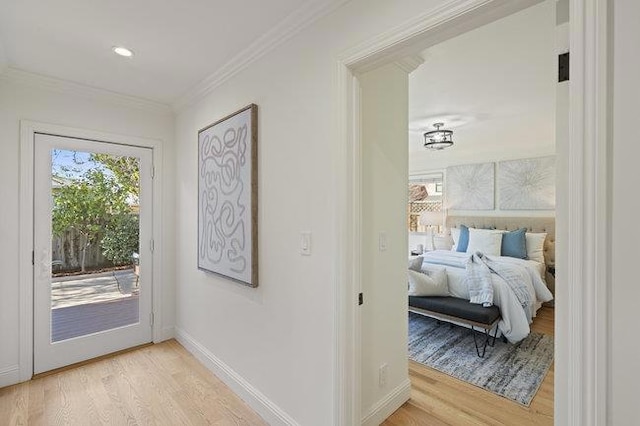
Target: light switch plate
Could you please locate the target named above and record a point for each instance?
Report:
(305, 243)
(382, 241)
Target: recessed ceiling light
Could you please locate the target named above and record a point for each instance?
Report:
(122, 51)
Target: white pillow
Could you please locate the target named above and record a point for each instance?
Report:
(455, 234)
(442, 242)
(487, 241)
(535, 245)
(434, 271)
(428, 283)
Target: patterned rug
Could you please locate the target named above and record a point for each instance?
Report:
(514, 371)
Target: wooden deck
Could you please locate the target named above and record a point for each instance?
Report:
(79, 320)
(90, 303)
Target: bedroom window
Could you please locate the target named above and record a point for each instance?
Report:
(425, 194)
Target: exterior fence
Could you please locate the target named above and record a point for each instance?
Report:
(67, 253)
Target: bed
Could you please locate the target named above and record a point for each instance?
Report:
(539, 282)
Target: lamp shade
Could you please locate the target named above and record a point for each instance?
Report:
(431, 218)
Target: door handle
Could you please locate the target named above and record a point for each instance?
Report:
(45, 264)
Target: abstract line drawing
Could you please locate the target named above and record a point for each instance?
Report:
(528, 184)
(228, 196)
(470, 187)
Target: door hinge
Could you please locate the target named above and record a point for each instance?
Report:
(360, 299)
(153, 172)
(151, 245)
(151, 319)
(33, 257)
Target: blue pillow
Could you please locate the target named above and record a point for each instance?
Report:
(463, 240)
(514, 244)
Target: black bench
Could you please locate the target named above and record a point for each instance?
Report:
(453, 309)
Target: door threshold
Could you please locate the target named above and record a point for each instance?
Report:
(89, 361)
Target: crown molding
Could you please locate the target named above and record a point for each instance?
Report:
(18, 76)
(419, 32)
(410, 63)
(288, 27)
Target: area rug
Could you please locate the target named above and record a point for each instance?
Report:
(514, 371)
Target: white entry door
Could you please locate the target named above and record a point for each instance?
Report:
(93, 249)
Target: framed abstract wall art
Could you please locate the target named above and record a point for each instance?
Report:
(228, 197)
(471, 187)
(528, 184)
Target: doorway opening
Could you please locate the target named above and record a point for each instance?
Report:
(392, 50)
(498, 182)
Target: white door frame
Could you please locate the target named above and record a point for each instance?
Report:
(582, 359)
(28, 129)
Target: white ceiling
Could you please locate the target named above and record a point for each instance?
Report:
(177, 43)
(494, 87)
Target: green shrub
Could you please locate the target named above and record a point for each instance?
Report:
(121, 239)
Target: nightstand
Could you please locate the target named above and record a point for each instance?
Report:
(552, 270)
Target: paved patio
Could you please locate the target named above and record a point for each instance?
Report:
(92, 288)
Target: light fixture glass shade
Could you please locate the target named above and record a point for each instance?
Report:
(438, 139)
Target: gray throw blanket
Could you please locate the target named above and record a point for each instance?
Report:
(479, 268)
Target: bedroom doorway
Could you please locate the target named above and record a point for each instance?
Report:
(383, 240)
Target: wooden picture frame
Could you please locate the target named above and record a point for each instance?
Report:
(228, 197)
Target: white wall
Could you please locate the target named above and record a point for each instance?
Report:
(24, 101)
(625, 233)
(384, 197)
(494, 87)
(280, 337)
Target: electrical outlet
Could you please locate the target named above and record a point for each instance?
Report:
(383, 375)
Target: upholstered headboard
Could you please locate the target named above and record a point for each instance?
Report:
(533, 224)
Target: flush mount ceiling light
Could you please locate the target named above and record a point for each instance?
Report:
(438, 139)
(122, 51)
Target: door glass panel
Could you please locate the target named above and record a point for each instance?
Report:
(94, 243)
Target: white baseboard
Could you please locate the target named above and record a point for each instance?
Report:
(269, 411)
(9, 375)
(387, 405)
(167, 333)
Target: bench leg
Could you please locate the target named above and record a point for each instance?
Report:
(487, 335)
(495, 335)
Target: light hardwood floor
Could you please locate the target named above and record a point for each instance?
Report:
(165, 385)
(155, 385)
(438, 399)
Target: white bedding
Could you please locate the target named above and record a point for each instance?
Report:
(515, 321)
